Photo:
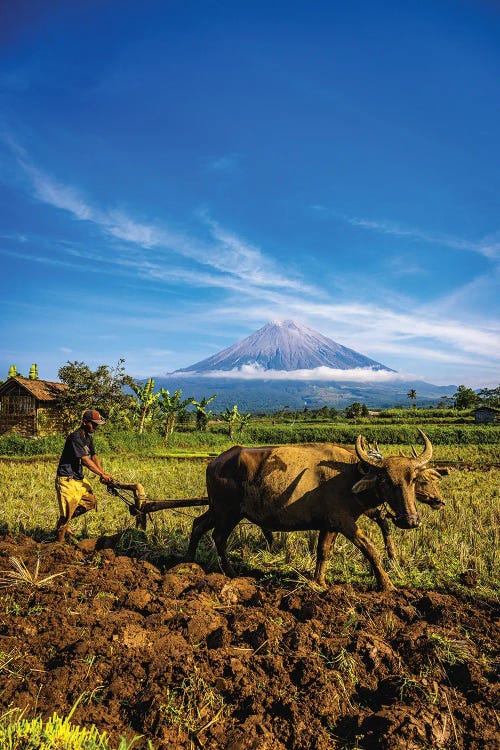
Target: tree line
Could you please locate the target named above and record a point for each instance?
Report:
(134, 404)
(137, 405)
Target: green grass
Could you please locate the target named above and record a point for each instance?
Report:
(464, 536)
(263, 432)
(56, 733)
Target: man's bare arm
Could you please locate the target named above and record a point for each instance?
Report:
(95, 465)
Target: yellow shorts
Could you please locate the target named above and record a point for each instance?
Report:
(73, 492)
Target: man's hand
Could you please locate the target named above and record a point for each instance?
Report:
(106, 479)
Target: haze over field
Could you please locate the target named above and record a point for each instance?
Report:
(175, 175)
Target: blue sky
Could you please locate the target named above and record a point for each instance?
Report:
(176, 174)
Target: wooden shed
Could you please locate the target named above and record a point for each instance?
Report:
(29, 407)
(486, 415)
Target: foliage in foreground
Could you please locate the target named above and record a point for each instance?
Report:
(56, 733)
(216, 439)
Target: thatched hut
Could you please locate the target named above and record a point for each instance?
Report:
(29, 407)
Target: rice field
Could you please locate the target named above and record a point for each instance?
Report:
(463, 537)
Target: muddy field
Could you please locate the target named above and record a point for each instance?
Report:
(191, 659)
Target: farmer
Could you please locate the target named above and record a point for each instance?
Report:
(74, 493)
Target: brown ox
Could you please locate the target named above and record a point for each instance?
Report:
(427, 491)
(311, 486)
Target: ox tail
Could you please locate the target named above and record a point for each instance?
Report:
(183, 502)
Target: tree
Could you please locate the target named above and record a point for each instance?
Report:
(33, 372)
(13, 373)
(465, 398)
(354, 411)
(446, 402)
(170, 407)
(101, 389)
(412, 394)
(244, 420)
(146, 400)
(235, 420)
(202, 416)
(490, 397)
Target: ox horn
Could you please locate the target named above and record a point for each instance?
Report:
(426, 456)
(364, 456)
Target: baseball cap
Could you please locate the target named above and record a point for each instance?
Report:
(91, 415)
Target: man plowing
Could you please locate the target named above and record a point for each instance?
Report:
(74, 493)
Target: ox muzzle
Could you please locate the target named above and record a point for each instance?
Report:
(405, 521)
(434, 502)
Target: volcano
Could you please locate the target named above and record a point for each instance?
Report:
(284, 346)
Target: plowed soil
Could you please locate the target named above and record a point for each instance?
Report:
(191, 659)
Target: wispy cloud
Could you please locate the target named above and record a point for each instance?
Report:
(224, 163)
(210, 256)
(252, 265)
(488, 246)
(222, 252)
(371, 328)
(58, 195)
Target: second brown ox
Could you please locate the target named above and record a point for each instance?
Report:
(318, 486)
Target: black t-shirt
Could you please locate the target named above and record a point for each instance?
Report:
(77, 444)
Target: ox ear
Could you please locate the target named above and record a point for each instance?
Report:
(367, 483)
(443, 471)
(428, 475)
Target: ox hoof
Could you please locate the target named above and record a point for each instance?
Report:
(320, 582)
(387, 587)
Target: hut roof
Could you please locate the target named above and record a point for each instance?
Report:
(42, 390)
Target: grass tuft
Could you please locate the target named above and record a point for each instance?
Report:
(22, 576)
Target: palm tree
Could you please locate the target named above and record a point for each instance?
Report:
(412, 394)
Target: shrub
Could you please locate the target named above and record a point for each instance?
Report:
(383, 434)
(217, 440)
(15, 445)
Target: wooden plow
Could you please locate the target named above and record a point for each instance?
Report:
(140, 507)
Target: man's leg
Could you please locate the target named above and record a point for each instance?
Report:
(75, 498)
(64, 499)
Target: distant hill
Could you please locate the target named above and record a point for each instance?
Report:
(285, 346)
(267, 396)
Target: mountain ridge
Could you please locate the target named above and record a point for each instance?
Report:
(257, 374)
(284, 346)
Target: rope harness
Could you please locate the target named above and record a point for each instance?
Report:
(111, 489)
(375, 453)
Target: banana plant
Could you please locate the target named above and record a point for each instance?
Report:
(202, 415)
(235, 420)
(146, 400)
(170, 407)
